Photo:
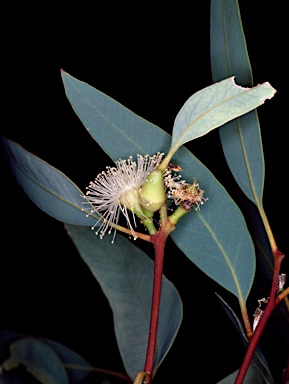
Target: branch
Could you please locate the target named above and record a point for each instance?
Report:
(278, 257)
(159, 241)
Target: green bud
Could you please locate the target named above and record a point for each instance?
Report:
(153, 193)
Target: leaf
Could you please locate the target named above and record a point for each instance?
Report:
(39, 359)
(241, 138)
(220, 246)
(46, 186)
(216, 239)
(125, 274)
(66, 355)
(215, 105)
(264, 255)
(109, 122)
(259, 371)
(69, 357)
(251, 377)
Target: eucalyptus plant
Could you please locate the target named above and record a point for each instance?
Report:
(155, 188)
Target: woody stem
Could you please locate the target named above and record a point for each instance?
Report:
(159, 241)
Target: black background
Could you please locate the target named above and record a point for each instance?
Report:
(150, 59)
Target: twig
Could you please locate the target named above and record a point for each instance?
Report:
(278, 257)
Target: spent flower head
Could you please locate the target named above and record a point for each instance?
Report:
(117, 191)
(183, 194)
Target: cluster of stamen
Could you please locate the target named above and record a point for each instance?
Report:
(108, 194)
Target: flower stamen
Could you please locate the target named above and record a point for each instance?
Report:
(182, 193)
(117, 190)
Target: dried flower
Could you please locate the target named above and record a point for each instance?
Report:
(281, 282)
(118, 190)
(257, 317)
(259, 312)
(183, 194)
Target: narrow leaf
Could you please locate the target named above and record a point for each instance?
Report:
(241, 138)
(215, 105)
(39, 359)
(46, 186)
(216, 239)
(109, 122)
(125, 274)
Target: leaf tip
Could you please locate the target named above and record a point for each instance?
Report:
(63, 73)
(267, 84)
(268, 96)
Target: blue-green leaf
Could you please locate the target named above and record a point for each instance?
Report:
(109, 122)
(78, 368)
(39, 359)
(252, 377)
(66, 355)
(125, 274)
(46, 186)
(241, 139)
(214, 106)
(216, 239)
(264, 255)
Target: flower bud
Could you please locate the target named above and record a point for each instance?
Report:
(152, 192)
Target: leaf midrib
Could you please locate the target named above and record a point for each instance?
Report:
(49, 190)
(226, 257)
(116, 127)
(177, 145)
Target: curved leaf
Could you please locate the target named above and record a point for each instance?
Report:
(39, 359)
(241, 138)
(215, 105)
(71, 358)
(125, 273)
(66, 355)
(216, 239)
(109, 122)
(46, 186)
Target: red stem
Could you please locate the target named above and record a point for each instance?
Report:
(159, 241)
(278, 257)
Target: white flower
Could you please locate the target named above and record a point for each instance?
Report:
(117, 190)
